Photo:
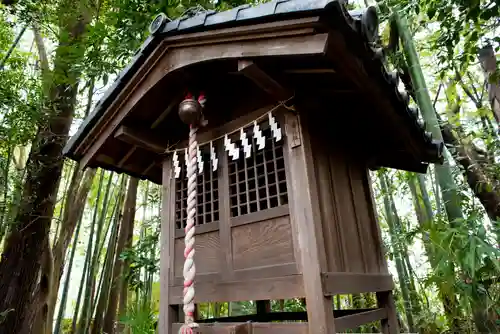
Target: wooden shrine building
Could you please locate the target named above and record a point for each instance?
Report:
(299, 105)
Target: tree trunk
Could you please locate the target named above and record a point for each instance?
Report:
(73, 213)
(122, 309)
(117, 280)
(107, 271)
(474, 175)
(21, 258)
(88, 258)
(450, 195)
(86, 314)
(396, 247)
(486, 189)
(489, 65)
(425, 216)
(5, 197)
(64, 297)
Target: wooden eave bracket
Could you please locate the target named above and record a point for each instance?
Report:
(263, 80)
(140, 139)
(299, 38)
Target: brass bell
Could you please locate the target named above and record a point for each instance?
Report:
(190, 112)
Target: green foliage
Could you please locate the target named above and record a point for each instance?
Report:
(19, 93)
(471, 246)
(141, 259)
(140, 319)
(464, 26)
(66, 326)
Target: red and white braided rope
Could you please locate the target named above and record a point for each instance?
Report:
(189, 271)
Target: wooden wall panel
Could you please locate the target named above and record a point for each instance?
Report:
(372, 248)
(349, 226)
(207, 245)
(347, 218)
(329, 208)
(251, 289)
(265, 243)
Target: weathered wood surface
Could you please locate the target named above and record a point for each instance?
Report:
(256, 328)
(263, 80)
(170, 57)
(167, 315)
(344, 320)
(349, 226)
(266, 288)
(346, 283)
(306, 226)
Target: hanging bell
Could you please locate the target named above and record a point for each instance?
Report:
(190, 112)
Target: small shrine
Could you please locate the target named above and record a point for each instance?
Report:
(262, 123)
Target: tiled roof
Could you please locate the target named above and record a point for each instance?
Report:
(270, 11)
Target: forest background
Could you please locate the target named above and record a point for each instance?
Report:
(440, 230)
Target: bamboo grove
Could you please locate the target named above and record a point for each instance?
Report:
(441, 230)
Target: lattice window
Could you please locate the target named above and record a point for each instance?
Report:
(208, 195)
(258, 182)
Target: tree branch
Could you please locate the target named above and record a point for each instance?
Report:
(460, 81)
(437, 95)
(476, 94)
(42, 52)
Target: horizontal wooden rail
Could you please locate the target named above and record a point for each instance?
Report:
(344, 319)
(253, 328)
(355, 320)
(336, 283)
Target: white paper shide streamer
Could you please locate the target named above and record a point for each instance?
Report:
(231, 148)
(199, 160)
(213, 157)
(186, 159)
(259, 138)
(247, 148)
(177, 168)
(274, 127)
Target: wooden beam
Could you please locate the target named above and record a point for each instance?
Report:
(140, 139)
(263, 306)
(345, 283)
(310, 71)
(167, 313)
(155, 124)
(151, 165)
(305, 224)
(353, 321)
(172, 57)
(385, 300)
(139, 83)
(263, 80)
(256, 328)
(284, 287)
(166, 112)
(126, 156)
(254, 30)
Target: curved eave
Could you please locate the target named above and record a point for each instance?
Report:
(239, 16)
(333, 15)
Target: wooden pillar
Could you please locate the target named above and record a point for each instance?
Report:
(263, 306)
(306, 226)
(168, 314)
(385, 300)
